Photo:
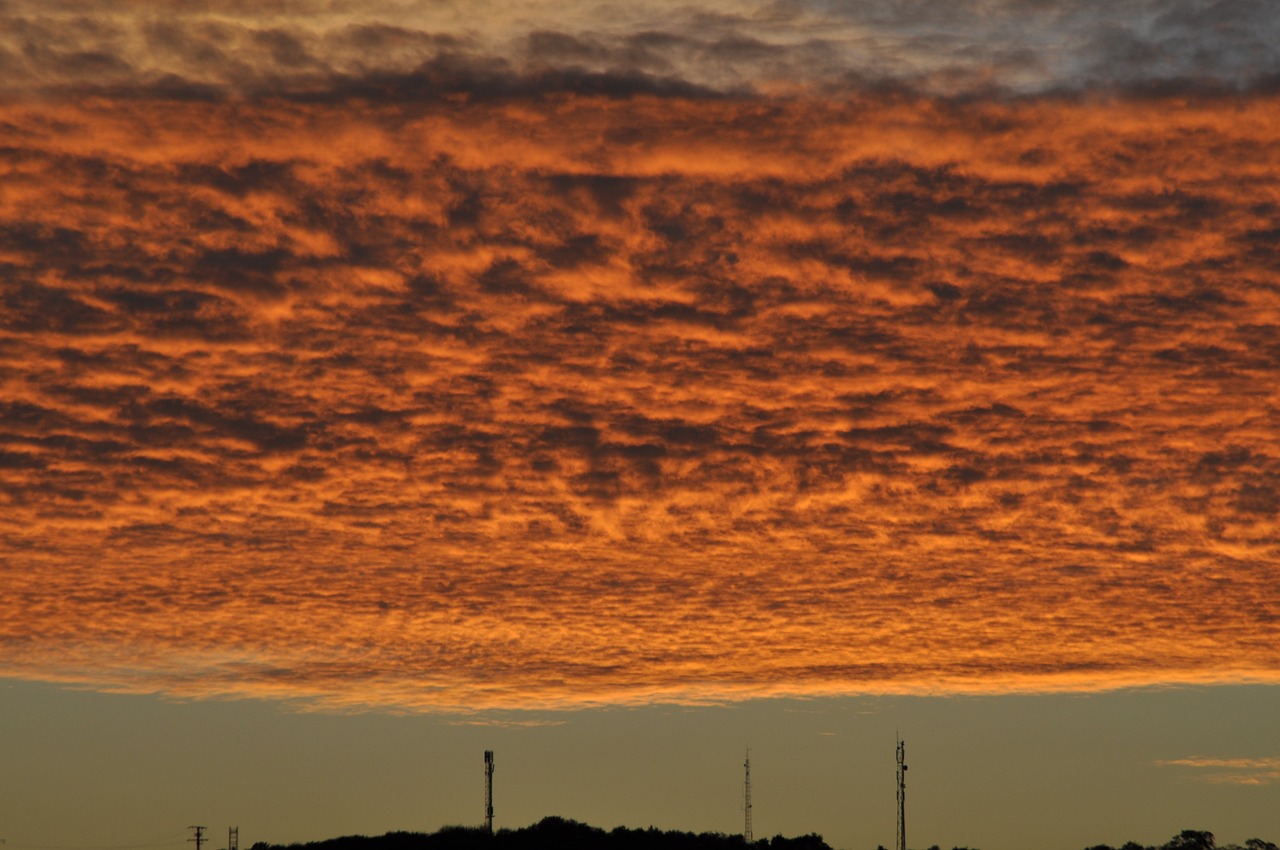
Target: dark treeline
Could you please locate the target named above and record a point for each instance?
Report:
(556, 833)
(1192, 839)
(1188, 839)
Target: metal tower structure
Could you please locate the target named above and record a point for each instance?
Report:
(233, 838)
(746, 799)
(902, 795)
(488, 790)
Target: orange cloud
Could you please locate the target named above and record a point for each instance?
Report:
(1267, 763)
(1241, 771)
(558, 401)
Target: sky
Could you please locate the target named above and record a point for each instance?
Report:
(627, 384)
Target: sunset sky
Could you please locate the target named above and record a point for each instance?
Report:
(617, 386)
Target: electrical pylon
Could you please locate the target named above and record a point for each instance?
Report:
(488, 790)
(902, 795)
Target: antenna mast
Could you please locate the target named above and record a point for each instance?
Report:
(902, 795)
(746, 799)
(199, 839)
(488, 790)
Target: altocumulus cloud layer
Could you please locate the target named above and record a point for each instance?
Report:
(437, 381)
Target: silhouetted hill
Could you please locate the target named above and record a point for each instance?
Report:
(554, 833)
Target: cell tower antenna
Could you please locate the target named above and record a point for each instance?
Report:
(746, 799)
(902, 795)
(199, 839)
(488, 790)
(233, 838)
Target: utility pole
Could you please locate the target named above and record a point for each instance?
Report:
(746, 800)
(488, 790)
(902, 795)
(199, 839)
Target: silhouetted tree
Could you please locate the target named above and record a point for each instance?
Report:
(1191, 839)
(812, 841)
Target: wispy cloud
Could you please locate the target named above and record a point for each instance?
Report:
(1200, 761)
(1239, 771)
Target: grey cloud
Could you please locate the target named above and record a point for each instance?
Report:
(309, 48)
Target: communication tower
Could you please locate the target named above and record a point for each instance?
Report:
(746, 799)
(233, 838)
(488, 790)
(902, 795)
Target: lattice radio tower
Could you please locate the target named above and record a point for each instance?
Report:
(488, 790)
(746, 799)
(902, 795)
(233, 838)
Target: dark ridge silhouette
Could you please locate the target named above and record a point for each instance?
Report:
(556, 833)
